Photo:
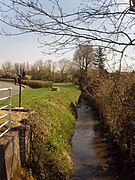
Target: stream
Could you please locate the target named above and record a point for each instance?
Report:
(89, 156)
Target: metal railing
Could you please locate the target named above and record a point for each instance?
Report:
(7, 123)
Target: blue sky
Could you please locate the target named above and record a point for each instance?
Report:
(25, 47)
(19, 49)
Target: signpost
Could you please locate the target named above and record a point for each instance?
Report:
(21, 75)
(20, 84)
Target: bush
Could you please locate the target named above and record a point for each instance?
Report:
(116, 99)
(6, 80)
(37, 83)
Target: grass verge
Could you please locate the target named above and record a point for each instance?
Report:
(53, 123)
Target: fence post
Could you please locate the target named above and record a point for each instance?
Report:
(9, 112)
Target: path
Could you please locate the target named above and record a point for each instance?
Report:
(15, 88)
(88, 152)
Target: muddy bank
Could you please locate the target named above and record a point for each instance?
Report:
(90, 157)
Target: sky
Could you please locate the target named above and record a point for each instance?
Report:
(19, 49)
(25, 48)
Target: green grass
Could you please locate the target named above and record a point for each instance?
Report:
(35, 97)
(54, 123)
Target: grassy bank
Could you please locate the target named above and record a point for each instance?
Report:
(53, 124)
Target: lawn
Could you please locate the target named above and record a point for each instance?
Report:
(39, 97)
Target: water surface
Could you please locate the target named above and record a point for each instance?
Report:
(90, 158)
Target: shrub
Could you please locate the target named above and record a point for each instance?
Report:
(6, 79)
(116, 99)
(37, 83)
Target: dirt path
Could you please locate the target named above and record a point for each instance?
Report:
(90, 158)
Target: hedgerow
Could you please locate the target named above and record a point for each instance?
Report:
(115, 96)
(37, 83)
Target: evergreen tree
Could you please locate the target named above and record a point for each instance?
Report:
(99, 59)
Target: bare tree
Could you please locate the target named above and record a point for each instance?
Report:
(37, 69)
(7, 69)
(63, 66)
(72, 72)
(7, 66)
(50, 67)
(54, 65)
(16, 67)
(83, 59)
